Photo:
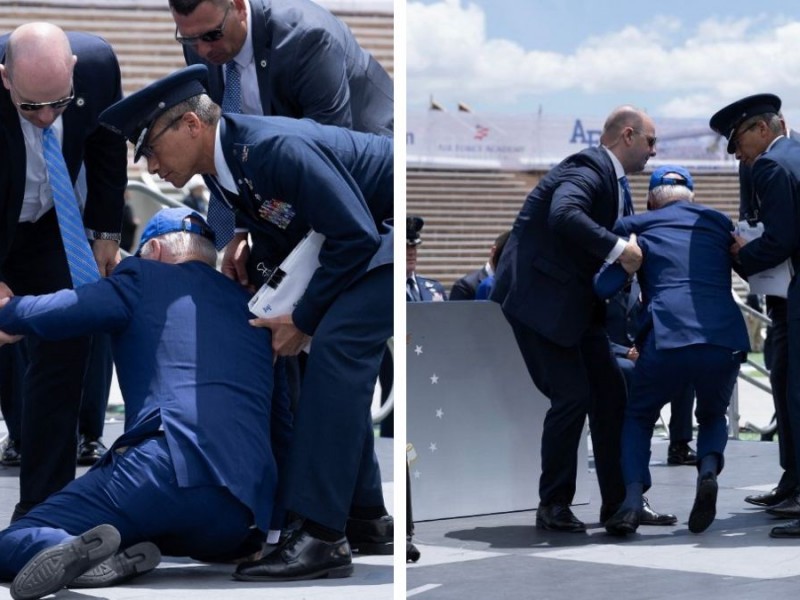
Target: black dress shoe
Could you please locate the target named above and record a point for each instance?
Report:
(558, 517)
(788, 509)
(771, 498)
(302, 556)
(123, 566)
(11, 456)
(56, 566)
(371, 536)
(623, 522)
(650, 517)
(680, 453)
(412, 554)
(790, 530)
(90, 450)
(705, 504)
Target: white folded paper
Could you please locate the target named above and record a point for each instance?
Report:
(287, 283)
(770, 282)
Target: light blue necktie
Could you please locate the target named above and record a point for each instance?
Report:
(82, 265)
(220, 217)
(627, 206)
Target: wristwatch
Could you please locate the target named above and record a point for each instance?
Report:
(103, 235)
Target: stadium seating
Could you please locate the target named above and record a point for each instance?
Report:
(465, 210)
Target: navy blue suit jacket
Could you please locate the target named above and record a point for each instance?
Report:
(187, 361)
(309, 65)
(686, 277)
(97, 86)
(297, 174)
(776, 186)
(558, 242)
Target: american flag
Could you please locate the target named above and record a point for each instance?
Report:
(481, 132)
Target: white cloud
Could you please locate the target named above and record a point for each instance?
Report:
(691, 70)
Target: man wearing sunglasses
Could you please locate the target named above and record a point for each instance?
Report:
(756, 135)
(54, 86)
(283, 177)
(294, 57)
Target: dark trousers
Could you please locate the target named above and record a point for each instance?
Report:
(332, 463)
(136, 492)
(54, 379)
(778, 379)
(579, 380)
(96, 387)
(659, 375)
(13, 363)
(681, 404)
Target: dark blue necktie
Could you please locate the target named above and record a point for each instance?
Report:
(220, 218)
(627, 206)
(82, 265)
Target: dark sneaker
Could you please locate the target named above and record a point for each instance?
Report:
(123, 566)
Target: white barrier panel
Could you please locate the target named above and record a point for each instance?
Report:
(474, 416)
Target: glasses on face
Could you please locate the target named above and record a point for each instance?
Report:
(147, 149)
(741, 133)
(214, 35)
(55, 104)
(651, 139)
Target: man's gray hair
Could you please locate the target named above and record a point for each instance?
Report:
(184, 246)
(664, 194)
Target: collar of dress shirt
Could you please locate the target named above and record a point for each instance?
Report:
(772, 143)
(619, 170)
(224, 174)
(245, 56)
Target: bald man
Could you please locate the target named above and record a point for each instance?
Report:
(544, 283)
(55, 84)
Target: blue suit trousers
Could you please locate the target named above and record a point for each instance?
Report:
(658, 376)
(135, 491)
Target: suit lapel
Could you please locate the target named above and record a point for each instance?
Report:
(262, 44)
(16, 146)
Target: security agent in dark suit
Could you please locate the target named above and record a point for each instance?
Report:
(692, 333)
(296, 59)
(283, 176)
(778, 341)
(467, 287)
(62, 82)
(756, 135)
(544, 284)
(196, 379)
(419, 289)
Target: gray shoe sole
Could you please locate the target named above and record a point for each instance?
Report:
(123, 566)
(54, 567)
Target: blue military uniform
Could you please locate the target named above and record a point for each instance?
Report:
(420, 289)
(289, 176)
(776, 194)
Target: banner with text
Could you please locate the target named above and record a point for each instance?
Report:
(524, 142)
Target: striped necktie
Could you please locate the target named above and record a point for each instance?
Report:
(220, 217)
(627, 207)
(82, 265)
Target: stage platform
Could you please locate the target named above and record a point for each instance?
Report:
(505, 556)
(179, 579)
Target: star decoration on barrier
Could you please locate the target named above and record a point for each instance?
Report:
(418, 350)
(439, 413)
(417, 474)
(433, 447)
(434, 379)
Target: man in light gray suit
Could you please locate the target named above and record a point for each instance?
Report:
(296, 59)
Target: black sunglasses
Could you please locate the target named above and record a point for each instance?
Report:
(651, 140)
(147, 148)
(214, 35)
(55, 104)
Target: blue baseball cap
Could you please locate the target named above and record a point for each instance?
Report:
(170, 220)
(661, 177)
(133, 116)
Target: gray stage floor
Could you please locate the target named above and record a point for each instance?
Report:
(177, 579)
(506, 557)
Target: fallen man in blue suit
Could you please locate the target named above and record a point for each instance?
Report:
(197, 380)
(692, 333)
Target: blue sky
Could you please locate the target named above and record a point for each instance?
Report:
(572, 57)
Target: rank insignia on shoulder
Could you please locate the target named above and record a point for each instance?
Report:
(277, 212)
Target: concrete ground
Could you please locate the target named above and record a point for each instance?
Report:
(505, 556)
(175, 579)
